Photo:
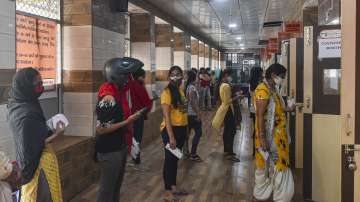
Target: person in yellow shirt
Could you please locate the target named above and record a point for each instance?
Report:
(173, 129)
(273, 175)
(225, 115)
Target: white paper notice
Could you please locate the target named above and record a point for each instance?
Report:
(330, 44)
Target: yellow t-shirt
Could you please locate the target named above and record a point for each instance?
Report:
(177, 116)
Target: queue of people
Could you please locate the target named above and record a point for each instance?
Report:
(120, 127)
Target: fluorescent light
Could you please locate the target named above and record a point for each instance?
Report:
(242, 44)
(242, 48)
(232, 25)
(238, 38)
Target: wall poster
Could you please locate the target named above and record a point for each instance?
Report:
(36, 46)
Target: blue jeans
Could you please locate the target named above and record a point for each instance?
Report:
(195, 124)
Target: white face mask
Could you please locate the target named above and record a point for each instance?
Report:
(278, 80)
(229, 79)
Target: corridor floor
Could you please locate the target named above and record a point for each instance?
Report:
(213, 180)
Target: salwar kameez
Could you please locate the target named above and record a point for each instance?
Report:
(273, 175)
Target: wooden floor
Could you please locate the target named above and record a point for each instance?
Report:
(214, 180)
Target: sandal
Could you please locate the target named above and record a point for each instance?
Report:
(181, 192)
(233, 159)
(196, 158)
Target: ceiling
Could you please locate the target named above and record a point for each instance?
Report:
(210, 19)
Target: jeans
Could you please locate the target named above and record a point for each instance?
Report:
(195, 124)
(229, 132)
(171, 161)
(138, 134)
(112, 167)
(205, 97)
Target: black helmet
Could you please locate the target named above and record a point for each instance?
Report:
(116, 69)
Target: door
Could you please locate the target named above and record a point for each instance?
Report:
(296, 88)
(350, 101)
(322, 150)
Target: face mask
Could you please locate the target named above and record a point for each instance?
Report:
(229, 79)
(39, 89)
(278, 80)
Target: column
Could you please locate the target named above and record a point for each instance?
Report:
(214, 58)
(194, 53)
(222, 60)
(92, 35)
(201, 54)
(164, 53)
(182, 55)
(143, 45)
(7, 70)
(207, 56)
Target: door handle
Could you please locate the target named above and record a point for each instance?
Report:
(347, 129)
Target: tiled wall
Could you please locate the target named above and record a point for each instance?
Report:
(7, 69)
(163, 58)
(194, 61)
(106, 44)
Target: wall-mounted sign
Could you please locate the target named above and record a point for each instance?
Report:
(36, 43)
(330, 44)
(293, 27)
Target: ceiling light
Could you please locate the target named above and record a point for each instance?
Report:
(238, 38)
(232, 25)
(242, 48)
(242, 44)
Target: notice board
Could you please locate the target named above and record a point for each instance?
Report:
(36, 46)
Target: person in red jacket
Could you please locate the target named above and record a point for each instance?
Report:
(139, 99)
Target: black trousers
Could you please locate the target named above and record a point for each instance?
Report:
(229, 132)
(171, 161)
(253, 117)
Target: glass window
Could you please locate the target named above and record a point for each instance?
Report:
(332, 81)
(234, 59)
(44, 8)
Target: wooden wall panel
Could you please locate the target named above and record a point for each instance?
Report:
(179, 41)
(201, 50)
(77, 13)
(194, 47)
(82, 80)
(140, 28)
(163, 35)
(207, 51)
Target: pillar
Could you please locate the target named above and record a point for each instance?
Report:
(182, 55)
(92, 35)
(194, 53)
(143, 45)
(207, 56)
(201, 54)
(7, 70)
(222, 60)
(214, 58)
(164, 53)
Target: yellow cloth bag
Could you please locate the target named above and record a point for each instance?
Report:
(226, 102)
(49, 164)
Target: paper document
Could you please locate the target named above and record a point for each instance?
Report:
(176, 151)
(53, 121)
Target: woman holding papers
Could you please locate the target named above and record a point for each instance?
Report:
(272, 175)
(173, 130)
(37, 161)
